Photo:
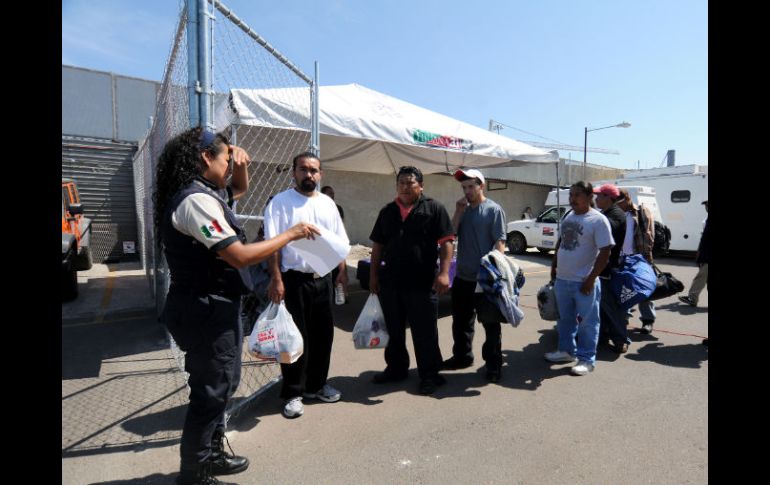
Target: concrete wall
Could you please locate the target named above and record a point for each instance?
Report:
(363, 195)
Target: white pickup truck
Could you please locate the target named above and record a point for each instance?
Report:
(543, 231)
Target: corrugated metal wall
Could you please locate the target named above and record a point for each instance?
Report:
(103, 171)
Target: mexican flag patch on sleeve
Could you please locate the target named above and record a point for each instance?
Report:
(211, 228)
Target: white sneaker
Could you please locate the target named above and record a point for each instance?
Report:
(293, 408)
(582, 368)
(559, 357)
(326, 394)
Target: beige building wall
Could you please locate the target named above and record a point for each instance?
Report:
(545, 173)
(362, 195)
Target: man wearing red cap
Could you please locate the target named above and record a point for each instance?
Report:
(614, 320)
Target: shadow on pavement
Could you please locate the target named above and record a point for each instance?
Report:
(155, 478)
(171, 419)
(84, 347)
(687, 355)
(681, 308)
(122, 389)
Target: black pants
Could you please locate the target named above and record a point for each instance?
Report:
(465, 305)
(420, 308)
(310, 303)
(208, 329)
(613, 321)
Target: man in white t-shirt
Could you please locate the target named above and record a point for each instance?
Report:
(582, 253)
(308, 296)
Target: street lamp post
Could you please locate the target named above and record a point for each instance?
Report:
(625, 124)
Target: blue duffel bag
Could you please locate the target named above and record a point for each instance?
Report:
(633, 282)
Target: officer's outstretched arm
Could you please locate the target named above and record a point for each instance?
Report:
(239, 255)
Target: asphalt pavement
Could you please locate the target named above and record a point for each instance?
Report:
(639, 418)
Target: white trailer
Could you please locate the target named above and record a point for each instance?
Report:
(680, 194)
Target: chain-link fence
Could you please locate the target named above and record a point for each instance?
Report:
(240, 59)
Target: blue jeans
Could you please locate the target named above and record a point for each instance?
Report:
(579, 315)
(647, 311)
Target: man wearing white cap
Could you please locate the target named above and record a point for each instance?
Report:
(480, 226)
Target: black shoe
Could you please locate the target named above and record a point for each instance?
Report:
(429, 384)
(620, 348)
(455, 363)
(386, 376)
(646, 328)
(493, 375)
(687, 300)
(705, 342)
(223, 463)
(227, 464)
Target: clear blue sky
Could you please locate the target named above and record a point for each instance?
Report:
(549, 67)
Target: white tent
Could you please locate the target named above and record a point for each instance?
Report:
(366, 131)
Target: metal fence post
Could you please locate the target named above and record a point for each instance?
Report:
(315, 136)
(192, 61)
(204, 63)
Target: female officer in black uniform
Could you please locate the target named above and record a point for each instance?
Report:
(207, 257)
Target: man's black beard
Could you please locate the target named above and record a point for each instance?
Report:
(308, 185)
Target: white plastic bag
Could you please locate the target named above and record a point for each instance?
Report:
(370, 331)
(275, 336)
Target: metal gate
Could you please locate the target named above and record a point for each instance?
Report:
(103, 171)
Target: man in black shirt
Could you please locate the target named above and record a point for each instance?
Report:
(614, 320)
(328, 191)
(407, 236)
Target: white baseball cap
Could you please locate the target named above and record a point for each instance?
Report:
(470, 173)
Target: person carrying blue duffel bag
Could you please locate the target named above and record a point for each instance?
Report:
(613, 319)
(633, 282)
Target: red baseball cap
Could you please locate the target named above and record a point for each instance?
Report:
(610, 190)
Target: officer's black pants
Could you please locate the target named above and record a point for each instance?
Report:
(208, 329)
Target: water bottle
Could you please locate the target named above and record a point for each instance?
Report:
(339, 294)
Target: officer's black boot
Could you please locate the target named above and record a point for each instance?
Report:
(199, 474)
(222, 462)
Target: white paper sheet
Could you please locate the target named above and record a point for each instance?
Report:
(323, 253)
